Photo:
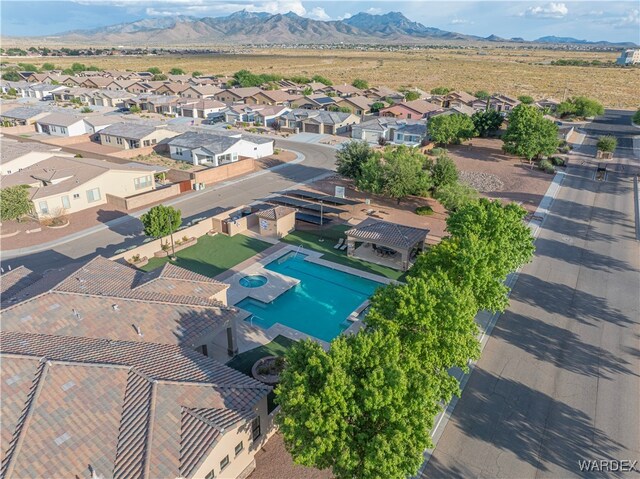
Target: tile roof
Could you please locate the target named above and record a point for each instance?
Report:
(134, 131)
(16, 280)
(360, 101)
(10, 150)
(275, 213)
(59, 119)
(129, 410)
(391, 234)
(106, 299)
(22, 113)
(211, 142)
(243, 92)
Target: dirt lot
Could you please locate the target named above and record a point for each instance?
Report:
(510, 71)
(508, 177)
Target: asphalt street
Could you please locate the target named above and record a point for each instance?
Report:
(127, 231)
(559, 379)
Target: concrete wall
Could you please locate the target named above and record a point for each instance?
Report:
(143, 199)
(147, 249)
(224, 172)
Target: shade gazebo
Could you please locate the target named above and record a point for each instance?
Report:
(380, 239)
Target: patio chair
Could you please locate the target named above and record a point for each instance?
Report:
(344, 246)
(338, 245)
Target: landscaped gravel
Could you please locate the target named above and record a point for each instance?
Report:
(483, 182)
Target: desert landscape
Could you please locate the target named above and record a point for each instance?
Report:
(510, 71)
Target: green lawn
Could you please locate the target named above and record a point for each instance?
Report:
(213, 255)
(245, 361)
(310, 240)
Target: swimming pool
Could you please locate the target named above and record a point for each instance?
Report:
(318, 305)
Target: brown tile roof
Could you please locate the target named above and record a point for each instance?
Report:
(275, 213)
(117, 406)
(105, 299)
(390, 234)
(16, 280)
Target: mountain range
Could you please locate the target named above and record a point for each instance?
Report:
(263, 28)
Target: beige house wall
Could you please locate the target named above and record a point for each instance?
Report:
(117, 183)
(142, 199)
(27, 160)
(158, 136)
(224, 172)
(226, 446)
(278, 228)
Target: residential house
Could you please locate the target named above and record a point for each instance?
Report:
(171, 89)
(127, 136)
(124, 387)
(121, 84)
(456, 98)
(630, 56)
(15, 156)
(547, 103)
(94, 124)
(206, 108)
(179, 78)
(43, 91)
(218, 149)
(358, 105)
(314, 102)
(61, 124)
(496, 102)
(68, 185)
(318, 121)
(271, 97)
(263, 115)
(144, 87)
(97, 82)
(22, 115)
(21, 87)
(269, 115)
(411, 110)
(163, 104)
(344, 90)
(381, 93)
(200, 91)
(399, 131)
(111, 98)
(236, 95)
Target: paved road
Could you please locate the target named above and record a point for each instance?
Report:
(617, 123)
(126, 232)
(559, 380)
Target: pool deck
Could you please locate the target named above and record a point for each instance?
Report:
(250, 336)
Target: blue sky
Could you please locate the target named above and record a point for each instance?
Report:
(590, 20)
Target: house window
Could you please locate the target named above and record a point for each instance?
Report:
(179, 151)
(146, 143)
(409, 115)
(76, 196)
(65, 202)
(44, 208)
(142, 182)
(63, 130)
(255, 428)
(211, 475)
(239, 448)
(93, 195)
(224, 463)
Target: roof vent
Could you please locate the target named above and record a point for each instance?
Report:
(76, 313)
(68, 385)
(138, 330)
(115, 307)
(62, 439)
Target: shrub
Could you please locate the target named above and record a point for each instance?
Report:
(86, 109)
(166, 247)
(185, 239)
(441, 90)
(557, 161)
(607, 143)
(547, 166)
(135, 109)
(455, 196)
(135, 258)
(424, 210)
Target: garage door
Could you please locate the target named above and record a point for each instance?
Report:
(371, 136)
(311, 128)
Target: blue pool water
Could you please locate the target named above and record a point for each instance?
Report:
(253, 281)
(318, 305)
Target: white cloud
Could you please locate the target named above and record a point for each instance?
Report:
(318, 13)
(345, 16)
(374, 11)
(550, 10)
(632, 19)
(460, 21)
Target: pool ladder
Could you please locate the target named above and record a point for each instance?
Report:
(297, 251)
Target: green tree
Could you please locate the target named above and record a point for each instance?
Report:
(526, 99)
(176, 71)
(78, 67)
(28, 67)
(377, 106)
(364, 408)
(135, 109)
(581, 107)
(196, 74)
(11, 76)
(488, 241)
(397, 172)
(607, 144)
(636, 117)
(154, 70)
(454, 128)
(68, 71)
(529, 134)
(487, 121)
(47, 67)
(161, 221)
(482, 95)
(455, 195)
(440, 90)
(160, 77)
(411, 95)
(361, 84)
(321, 79)
(307, 91)
(12, 92)
(351, 157)
(444, 171)
(15, 202)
